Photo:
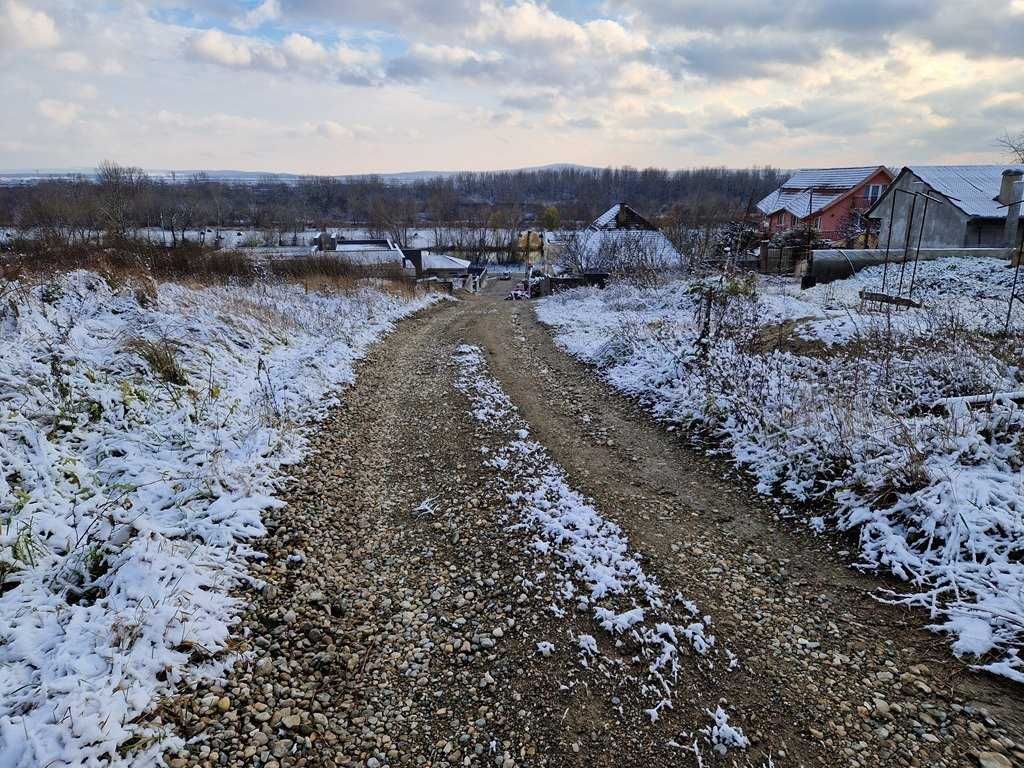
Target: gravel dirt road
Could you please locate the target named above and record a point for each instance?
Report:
(404, 605)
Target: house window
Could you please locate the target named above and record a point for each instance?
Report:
(817, 223)
(874, 192)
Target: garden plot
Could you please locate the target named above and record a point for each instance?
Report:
(141, 435)
(851, 428)
(969, 293)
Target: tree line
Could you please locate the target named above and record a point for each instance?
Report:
(117, 201)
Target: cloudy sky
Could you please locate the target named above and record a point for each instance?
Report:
(342, 86)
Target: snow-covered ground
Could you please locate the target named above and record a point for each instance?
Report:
(974, 291)
(845, 405)
(141, 436)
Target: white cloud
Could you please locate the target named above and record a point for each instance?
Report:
(637, 77)
(213, 45)
(60, 112)
(71, 61)
(611, 37)
(303, 48)
(530, 25)
(528, 22)
(22, 27)
(267, 11)
(356, 57)
(448, 54)
(296, 54)
(334, 131)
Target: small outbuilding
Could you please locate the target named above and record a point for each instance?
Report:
(427, 264)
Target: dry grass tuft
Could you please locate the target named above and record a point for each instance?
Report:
(161, 355)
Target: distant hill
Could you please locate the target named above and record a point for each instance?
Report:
(10, 177)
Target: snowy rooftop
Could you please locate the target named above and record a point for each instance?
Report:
(367, 251)
(800, 204)
(621, 216)
(365, 247)
(443, 261)
(975, 187)
(828, 185)
(654, 243)
(829, 178)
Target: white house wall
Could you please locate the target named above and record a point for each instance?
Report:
(945, 225)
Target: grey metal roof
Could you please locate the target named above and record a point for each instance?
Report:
(829, 184)
(829, 178)
(800, 204)
(975, 187)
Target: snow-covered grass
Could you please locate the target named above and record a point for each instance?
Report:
(141, 437)
(840, 408)
(973, 291)
(595, 570)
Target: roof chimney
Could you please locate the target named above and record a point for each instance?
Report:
(1010, 193)
(1006, 190)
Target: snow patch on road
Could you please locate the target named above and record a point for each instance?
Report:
(129, 497)
(599, 574)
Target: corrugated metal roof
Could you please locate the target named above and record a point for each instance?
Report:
(829, 178)
(606, 218)
(829, 184)
(800, 204)
(975, 187)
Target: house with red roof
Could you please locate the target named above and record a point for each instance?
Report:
(830, 200)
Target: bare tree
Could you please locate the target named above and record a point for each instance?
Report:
(1013, 146)
(119, 188)
(578, 254)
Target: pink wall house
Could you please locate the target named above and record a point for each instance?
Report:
(827, 199)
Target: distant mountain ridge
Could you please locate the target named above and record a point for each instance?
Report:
(9, 177)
